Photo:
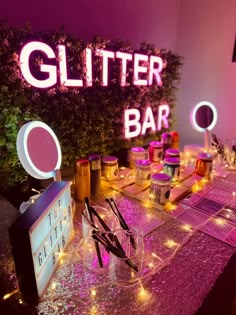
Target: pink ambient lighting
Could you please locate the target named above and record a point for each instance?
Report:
(146, 69)
(105, 54)
(63, 69)
(25, 68)
(133, 127)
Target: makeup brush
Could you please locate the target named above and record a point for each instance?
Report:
(86, 200)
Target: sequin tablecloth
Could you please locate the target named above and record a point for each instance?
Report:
(180, 268)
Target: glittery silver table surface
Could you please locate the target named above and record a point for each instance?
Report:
(180, 268)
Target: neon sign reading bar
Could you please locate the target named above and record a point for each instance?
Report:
(134, 127)
(146, 69)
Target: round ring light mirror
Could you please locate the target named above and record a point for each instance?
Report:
(39, 150)
(203, 118)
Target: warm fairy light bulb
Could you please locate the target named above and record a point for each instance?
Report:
(6, 296)
(219, 221)
(147, 203)
(186, 227)
(94, 310)
(61, 254)
(20, 301)
(170, 206)
(54, 285)
(170, 243)
(178, 184)
(151, 265)
(93, 292)
(234, 194)
(196, 187)
(143, 295)
(204, 180)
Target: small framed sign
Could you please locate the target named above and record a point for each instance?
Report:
(39, 237)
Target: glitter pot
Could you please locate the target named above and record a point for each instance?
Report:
(175, 139)
(160, 188)
(110, 167)
(166, 140)
(155, 151)
(172, 153)
(204, 164)
(136, 153)
(95, 173)
(82, 179)
(142, 172)
(172, 168)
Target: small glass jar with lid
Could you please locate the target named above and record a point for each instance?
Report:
(110, 168)
(172, 153)
(204, 164)
(172, 168)
(160, 188)
(136, 153)
(142, 172)
(155, 151)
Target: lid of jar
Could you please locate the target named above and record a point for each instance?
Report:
(82, 166)
(109, 159)
(174, 134)
(166, 135)
(172, 161)
(142, 163)
(94, 157)
(172, 152)
(162, 177)
(82, 162)
(205, 156)
(137, 149)
(156, 144)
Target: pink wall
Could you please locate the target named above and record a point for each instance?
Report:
(202, 31)
(206, 38)
(154, 21)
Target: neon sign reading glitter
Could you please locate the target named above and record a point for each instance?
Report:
(147, 69)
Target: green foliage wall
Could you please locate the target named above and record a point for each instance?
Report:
(87, 119)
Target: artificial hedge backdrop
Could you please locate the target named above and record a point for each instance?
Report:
(87, 119)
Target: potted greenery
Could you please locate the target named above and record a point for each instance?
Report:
(12, 117)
